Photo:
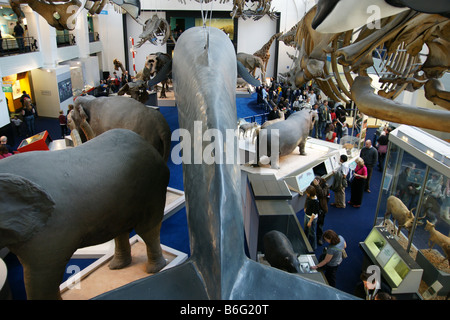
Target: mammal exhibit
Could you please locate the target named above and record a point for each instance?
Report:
(54, 222)
(280, 90)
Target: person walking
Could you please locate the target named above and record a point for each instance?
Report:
(370, 156)
(357, 184)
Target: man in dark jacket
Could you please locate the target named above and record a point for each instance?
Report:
(370, 156)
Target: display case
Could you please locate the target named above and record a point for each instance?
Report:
(40, 141)
(417, 173)
(399, 270)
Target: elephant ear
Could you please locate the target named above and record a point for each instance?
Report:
(26, 207)
(243, 72)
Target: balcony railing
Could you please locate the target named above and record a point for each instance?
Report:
(64, 40)
(17, 45)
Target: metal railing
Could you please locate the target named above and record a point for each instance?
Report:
(65, 40)
(17, 45)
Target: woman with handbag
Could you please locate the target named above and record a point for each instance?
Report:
(333, 257)
(357, 184)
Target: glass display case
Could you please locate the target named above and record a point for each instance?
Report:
(399, 270)
(417, 172)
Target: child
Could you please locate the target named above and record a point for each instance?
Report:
(62, 123)
(17, 123)
(311, 214)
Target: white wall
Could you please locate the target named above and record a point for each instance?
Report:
(46, 93)
(110, 29)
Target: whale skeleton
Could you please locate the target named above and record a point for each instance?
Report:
(204, 83)
(398, 43)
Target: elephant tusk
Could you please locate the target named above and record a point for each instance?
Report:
(87, 130)
(376, 106)
(76, 138)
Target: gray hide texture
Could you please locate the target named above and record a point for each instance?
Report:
(290, 133)
(54, 202)
(106, 113)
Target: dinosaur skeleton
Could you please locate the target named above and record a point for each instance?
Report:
(62, 14)
(398, 45)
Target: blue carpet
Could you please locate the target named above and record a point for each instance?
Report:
(353, 224)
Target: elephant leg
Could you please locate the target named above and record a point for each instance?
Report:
(122, 252)
(301, 148)
(156, 260)
(42, 280)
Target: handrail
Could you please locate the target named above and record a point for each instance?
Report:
(17, 45)
(64, 40)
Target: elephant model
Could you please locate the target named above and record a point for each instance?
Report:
(251, 62)
(92, 116)
(288, 134)
(279, 253)
(54, 202)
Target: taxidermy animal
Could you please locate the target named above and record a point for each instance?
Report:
(269, 122)
(79, 197)
(279, 253)
(251, 62)
(246, 128)
(92, 116)
(204, 73)
(438, 238)
(400, 213)
(289, 134)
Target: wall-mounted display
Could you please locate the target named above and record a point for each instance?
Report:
(65, 89)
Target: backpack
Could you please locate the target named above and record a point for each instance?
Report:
(337, 181)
